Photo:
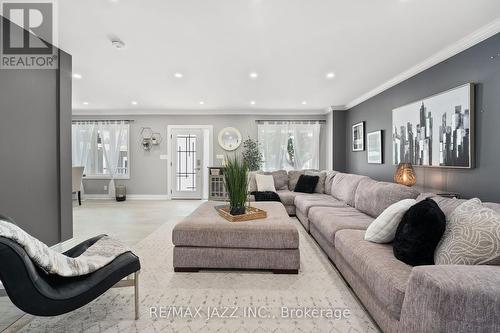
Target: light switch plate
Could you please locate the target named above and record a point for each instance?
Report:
(163, 157)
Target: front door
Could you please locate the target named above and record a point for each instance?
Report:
(187, 159)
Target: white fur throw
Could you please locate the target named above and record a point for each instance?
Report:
(101, 253)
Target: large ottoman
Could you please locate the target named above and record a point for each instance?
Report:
(205, 240)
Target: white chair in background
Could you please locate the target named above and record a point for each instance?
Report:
(77, 174)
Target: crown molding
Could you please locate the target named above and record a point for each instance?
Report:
(463, 44)
(206, 112)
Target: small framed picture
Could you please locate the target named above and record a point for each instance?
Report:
(375, 147)
(358, 136)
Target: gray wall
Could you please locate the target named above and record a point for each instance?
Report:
(148, 174)
(35, 165)
(473, 65)
(339, 140)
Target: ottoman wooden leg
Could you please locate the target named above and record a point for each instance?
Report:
(186, 270)
(285, 271)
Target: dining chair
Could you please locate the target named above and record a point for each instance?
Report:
(77, 174)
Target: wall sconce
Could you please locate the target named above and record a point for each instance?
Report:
(405, 175)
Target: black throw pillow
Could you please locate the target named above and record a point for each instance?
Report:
(419, 233)
(306, 184)
(266, 196)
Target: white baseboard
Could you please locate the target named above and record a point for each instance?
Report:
(129, 197)
(148, 197)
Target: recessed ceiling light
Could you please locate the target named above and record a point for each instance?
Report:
(77, 76)
(304, 102)
(254, 75)
(134, 103)
(252, 102)
(202, 102)
(85, 103)
(179, 75)
(330, 75)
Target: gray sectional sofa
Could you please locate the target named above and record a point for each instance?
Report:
(401, 298)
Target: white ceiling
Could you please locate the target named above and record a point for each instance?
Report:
(216, 44)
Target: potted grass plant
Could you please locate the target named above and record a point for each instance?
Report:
(236, 181)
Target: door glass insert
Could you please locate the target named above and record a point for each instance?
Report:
(186, 162)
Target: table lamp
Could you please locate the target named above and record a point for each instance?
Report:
(405, 175)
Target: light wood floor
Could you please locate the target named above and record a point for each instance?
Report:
(129, 221)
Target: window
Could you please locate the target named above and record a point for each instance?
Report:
(289, 145)
(102, 147)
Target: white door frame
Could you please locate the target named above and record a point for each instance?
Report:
(204, 167)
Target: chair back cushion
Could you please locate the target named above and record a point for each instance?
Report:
(373, 197)
(76, 180)
(344, 187)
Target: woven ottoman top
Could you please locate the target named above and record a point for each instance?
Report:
(206, 228)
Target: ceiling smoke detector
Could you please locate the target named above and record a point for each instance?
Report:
(117, 43)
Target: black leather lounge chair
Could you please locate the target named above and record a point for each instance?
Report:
(41, 294)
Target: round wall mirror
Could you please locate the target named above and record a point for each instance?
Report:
(229, 138)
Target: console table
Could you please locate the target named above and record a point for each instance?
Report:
(216, 189)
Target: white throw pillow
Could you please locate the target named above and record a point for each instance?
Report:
(383, 228)
(265, 183)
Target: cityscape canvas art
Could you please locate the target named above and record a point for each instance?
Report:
(436, 131)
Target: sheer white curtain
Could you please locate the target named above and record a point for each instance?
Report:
(273, 139)
(82, 134)
(306, 142)
(113, 135)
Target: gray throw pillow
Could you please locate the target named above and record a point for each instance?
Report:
(320, 187)
(472, 236)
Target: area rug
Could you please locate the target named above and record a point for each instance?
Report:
(315, 300)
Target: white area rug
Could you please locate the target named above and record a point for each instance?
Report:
(317, 286)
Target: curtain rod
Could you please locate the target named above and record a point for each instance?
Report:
(97, 120)
(291, 121)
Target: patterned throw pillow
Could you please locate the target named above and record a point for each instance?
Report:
(472, 236)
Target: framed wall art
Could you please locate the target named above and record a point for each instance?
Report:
(375, 147)
(358, 136)
(437, 131)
